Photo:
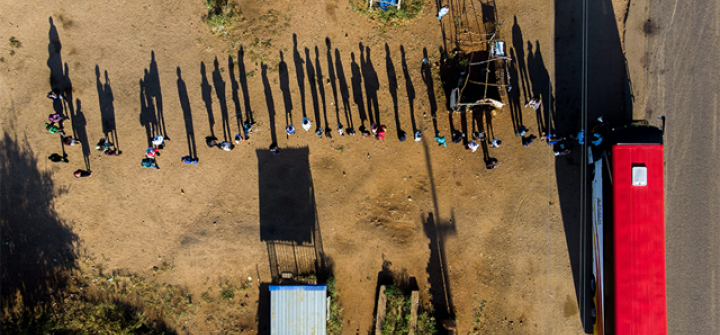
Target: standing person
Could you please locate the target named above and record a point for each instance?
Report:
(56, 158)
(55, 95)
(491, 163)
(152, 152)
(238, 139)
(521, 131)
(402, 136)
(57, 118)
(418, 136)
(473, 146)
(247, 128)
(441, 140)
(274, 149)
(227, 146)
(306, 124)
(527, 140)
(112, 152)
(534, 103)
(495, 143)
(149, 163)
(381, 132)
(340, 129)
(70, 141)
(290, 129)
(319, 132)
(82, 173)
(457, 136)
(52, 128)
(212, 141)
(158, 141)
(189, 160)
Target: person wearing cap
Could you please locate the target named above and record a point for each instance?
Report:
(418, 136)
(274, 149)
(290, 129)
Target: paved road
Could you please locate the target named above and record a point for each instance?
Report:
(684, 84)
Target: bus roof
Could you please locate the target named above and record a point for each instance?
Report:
(639, 239)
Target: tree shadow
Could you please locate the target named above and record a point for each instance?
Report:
(269, 102)
(410, 88)
(153, 94)
(372, 84)
(206, 90)
(284, 78)
(219, 84)
(430, 87)
(235, 97)
(107, 108)
(313, 87)
(37, 245)
(437, 230)
(299, 73)
(187, 114)
(393, 87)
(242, 75)
(357, 83)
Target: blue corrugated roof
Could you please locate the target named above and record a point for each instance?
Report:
(298, 309)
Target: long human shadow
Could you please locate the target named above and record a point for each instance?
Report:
(299, 74)
(269, 101)
(437, 230)
(344, 89)
(607, 87)
(107, 108)
(153, 93)
(219, 84)
(59, 82)
(80, 126)
(478, 124)
(242, 75)
(357, 84)
(409, 88)
(518, 45)
(235, 97)
(541, 87)
(148, 118)
(331, 77)
(313, 87)
(284, 78)
(393, 88)
(372, 84)
(37, 243)
(430, 87)
(321, 90)
(187, 114)
(206, 90)
(516, 106)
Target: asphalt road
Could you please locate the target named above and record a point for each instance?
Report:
(683, 84)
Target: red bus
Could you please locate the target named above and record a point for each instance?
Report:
(629, 266)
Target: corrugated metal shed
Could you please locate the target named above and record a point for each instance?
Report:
(298, 309)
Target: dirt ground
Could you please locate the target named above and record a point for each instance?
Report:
(390, 202)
